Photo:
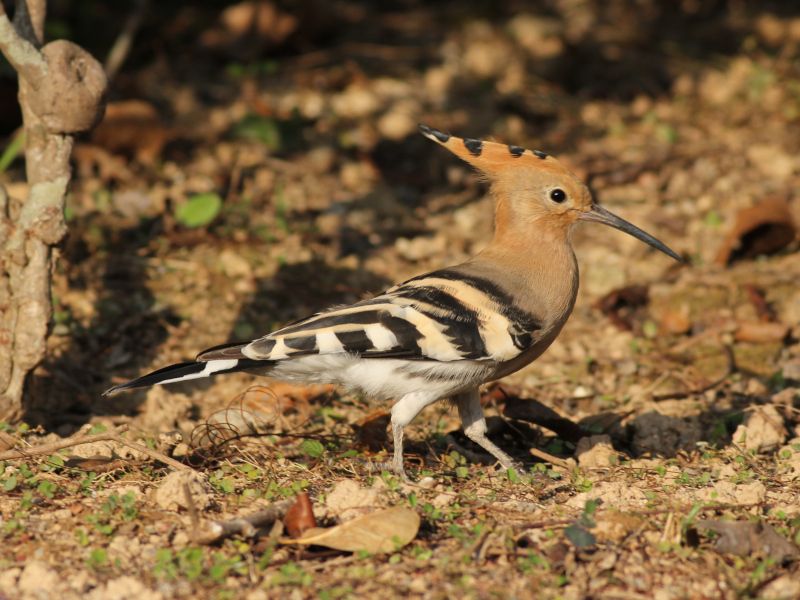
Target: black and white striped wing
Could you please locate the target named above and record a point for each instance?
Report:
(443, 316)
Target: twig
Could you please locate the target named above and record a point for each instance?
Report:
(190, 505)
(246, 525)
(122, 45)
(547, 457)
(23, 56)
(111, 436)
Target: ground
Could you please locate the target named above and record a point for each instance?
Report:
(248, 176)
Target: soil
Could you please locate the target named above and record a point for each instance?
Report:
(682, 382)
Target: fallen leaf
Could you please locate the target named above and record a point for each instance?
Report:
(759, 332)
(758, 299)
(580, 536)
(300, 517)
(744, 538)
(622, 304)
(132, 127)
(7, 441)
(764, 228)
(381, 531)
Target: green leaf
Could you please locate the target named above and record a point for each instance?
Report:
(262, 129)
(13, 150)
(199, 210)
(580, 536)
(10, 483)
(312, 448)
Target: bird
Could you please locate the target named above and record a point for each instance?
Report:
(442, 334)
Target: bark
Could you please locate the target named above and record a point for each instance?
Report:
(61, 93)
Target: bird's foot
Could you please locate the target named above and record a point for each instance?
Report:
(373, 467)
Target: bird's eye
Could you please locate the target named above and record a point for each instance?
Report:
(558, 195)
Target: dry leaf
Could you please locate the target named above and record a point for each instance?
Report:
(623, 305)
(764, 228)
(300, 517)
(759, 333)
(381, 531)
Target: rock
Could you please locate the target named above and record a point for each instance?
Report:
(617, 494)
(355, 102)
(349, 500)
(39, 581)
(234, 265)
(124, 588)
(596, 452)
(784, 587)
(398, 123)
(169, 495)
(772, 160)
(727, 492)
(763, 429)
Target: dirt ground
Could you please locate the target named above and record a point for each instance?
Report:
(258, 163)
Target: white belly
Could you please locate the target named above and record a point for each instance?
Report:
(384, 378)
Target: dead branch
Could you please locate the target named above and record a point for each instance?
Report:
(122, 45)
(110, 436)
(61, 93)
(247, 525)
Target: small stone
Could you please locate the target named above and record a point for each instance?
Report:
(348, 500)
(782, 588)
(39, 581)
(763, 429)
(170, 495)
(124, 588)
(397, 124)
(596, 452)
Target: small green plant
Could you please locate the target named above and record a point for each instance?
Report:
(97, 559)
(199, 210)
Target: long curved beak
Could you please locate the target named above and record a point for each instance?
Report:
(598, 214)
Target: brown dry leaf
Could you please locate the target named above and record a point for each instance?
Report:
(623, 304)
(133, 127)
(760, 332)
(300, 517)
(371, 430)
(381, 531)
(764, 228)
(7, 441)
(743, 538)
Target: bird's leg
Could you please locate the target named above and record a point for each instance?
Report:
(474, 425)
(403, 412)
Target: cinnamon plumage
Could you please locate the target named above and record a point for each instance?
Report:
(444, 333)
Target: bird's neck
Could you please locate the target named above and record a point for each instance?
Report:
(538, 263)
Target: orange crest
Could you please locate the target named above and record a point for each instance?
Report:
(492, 158)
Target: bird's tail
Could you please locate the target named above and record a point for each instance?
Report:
(190, 370)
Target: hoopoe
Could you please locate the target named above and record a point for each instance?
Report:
(444, 333)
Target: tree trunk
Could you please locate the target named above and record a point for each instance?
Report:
(61, 93)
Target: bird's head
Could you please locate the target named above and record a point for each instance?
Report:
(531, 188)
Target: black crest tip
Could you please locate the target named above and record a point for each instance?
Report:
(475, 147)
(433, 134)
